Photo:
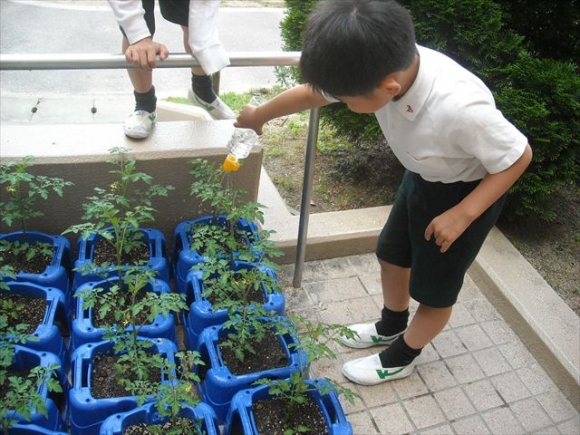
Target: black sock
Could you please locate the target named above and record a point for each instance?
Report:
(392, 322)
(399, 354)
(146, 101)
(203, 87)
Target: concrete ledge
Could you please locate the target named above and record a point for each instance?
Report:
(80, 153)
(548, 327)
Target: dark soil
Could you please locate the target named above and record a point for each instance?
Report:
(270, 417)
(105, 375)
(104, 252)
(25, 309)
(269, 355)
(186, 426)
(18, 261)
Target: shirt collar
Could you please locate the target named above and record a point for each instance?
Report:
(410, 104)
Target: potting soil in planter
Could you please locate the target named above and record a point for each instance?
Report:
(254, 411)
(202, 313)
(87, 409)
(185, 257)
(135, 422)
(156, 260)
(219, 383)
(85, 328)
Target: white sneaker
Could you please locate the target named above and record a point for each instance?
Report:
(217, 110)
(368, 371)
(367, 336)
(139, 124)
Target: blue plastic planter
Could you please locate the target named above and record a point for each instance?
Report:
(57, 272)
(219, 384)
(240, 419)
(83, 330)
(116, 424)
(157, 261)
(184, 257)
(56, 403)
(201, 314)
(88, 413)
(48, 336)
(32, 429)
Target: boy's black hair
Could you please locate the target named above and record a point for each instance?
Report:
(350, 46)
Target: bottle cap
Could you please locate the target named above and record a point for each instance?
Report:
(231, 163)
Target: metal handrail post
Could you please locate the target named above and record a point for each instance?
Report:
(312, 140)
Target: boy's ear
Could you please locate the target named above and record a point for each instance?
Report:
(390, 85)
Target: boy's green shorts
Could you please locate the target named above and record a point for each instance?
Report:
(436, 278)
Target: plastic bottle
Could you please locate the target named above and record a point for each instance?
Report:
(240, 144)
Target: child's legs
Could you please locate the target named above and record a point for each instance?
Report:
(141, 79)
(197, 70)
(427, 323)
(395, 285)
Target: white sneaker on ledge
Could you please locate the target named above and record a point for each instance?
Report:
(217, 109)
(369, 371)
(367, 336)
(139, 124)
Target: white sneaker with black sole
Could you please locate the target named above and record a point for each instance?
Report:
(139, 124)
(367, 336)
(369, 371)
(217, 109)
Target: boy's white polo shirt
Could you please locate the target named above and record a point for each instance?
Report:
(446, 127)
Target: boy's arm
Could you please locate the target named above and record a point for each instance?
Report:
(293, 100)
(447, 227)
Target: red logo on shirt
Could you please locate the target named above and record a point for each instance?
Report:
(409, 109)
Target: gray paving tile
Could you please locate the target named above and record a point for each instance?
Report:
(492, 361)
(443, 429)
(359, 310)
(362, 424)
(473, 337)
(536, 379)
(473, 425)
(510, 387)
(424, 411)
(483, 395)
(436, 376)
(556, 405)
(392, 419)
(502, 421)
(570, 427)
(454, 403)
(465, 368)
(335, 290)
(530, 414)
(447, 344)
(460, 316)
(411, 386)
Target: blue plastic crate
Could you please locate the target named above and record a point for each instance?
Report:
(219, 385)
(158, 260)
(49, 334)
(116, 424)
(56, 403)
(184, 258)
(86, 413)
(57, 273)
(84, 331)
(240, 419)
(32, 429)
(202, 315)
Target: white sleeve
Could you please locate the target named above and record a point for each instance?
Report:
(130, 16)
(204, 39)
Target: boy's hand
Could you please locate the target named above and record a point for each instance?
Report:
(446, 228)
(143, 53)
(247, 118)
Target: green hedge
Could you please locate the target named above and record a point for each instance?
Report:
(540, 95)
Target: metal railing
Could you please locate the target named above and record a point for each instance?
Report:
(29, 62)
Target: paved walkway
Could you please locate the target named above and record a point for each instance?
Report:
(476, 377)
